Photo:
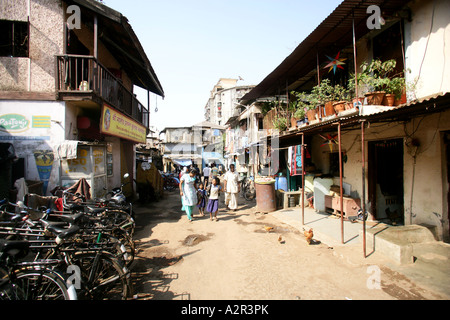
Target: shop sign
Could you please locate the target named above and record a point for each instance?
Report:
(13, 122)
(117, 124)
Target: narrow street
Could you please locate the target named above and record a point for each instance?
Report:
(237, 258)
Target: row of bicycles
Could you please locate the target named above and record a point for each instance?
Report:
(81, 253)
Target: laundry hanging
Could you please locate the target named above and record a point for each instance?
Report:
(295, 160)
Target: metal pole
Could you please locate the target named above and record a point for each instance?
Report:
(354, 58)
(303, 179)
(363, 204)
(340, 184)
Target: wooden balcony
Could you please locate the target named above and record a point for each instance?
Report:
(84, 78)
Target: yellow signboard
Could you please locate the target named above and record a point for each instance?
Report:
(117, 124)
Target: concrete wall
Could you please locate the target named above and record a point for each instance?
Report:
(36, 73)
(427, 51)
(43, 127)
(425, 176)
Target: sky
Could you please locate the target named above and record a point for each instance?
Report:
(191, 44)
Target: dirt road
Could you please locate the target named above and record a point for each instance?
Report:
(240, 257)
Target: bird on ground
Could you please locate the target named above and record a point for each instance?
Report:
(308, 234)
(268, 229)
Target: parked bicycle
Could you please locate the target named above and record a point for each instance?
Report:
(248, 188)
(36, 280)
(76, 241)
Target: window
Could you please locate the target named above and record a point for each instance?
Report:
(14, 38)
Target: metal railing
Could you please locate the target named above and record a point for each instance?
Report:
(81, 74)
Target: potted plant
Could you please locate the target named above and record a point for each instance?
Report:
(280, 122)
(311, 107)
(394, 90)
(351, 87)
(377, 76)
(324, 94)
(300, 115)
(341, 95)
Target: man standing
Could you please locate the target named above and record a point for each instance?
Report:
(232, 188)
(214, 171)
(206, 172)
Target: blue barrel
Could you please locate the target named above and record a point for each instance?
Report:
(281, 183)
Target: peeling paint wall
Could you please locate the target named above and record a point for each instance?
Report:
(425, 185)
(34, 127)
(427, 39)
(37, 72)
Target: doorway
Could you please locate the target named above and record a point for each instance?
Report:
(385, 173)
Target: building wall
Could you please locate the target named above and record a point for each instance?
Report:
(36, 73)
(41, 128)
(425, 184)
(427, 51)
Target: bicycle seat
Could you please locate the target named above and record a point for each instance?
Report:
(14, 248)
(95, 210)
(63, 233)
(71, 218)
(76, 207)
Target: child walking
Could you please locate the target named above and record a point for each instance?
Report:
(213, 202)
(201, 196)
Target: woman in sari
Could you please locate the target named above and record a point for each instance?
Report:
(188, 192)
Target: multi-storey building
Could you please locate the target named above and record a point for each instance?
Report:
(67, 73)
(223, 101)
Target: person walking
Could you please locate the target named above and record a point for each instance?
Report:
(188, 192)
(232, 188)
(214, 171)
(206, 173)
(213, 202)
(201, 199)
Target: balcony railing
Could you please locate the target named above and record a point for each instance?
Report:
(81, 74)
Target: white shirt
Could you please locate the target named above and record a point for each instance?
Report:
(206, 171)
(214, 191)
(232, 180)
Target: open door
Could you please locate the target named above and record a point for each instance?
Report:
(386, 180)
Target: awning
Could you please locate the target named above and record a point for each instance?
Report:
(335, 33)
(119, 38)
(182, 162)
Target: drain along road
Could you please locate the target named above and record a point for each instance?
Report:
(242, 257)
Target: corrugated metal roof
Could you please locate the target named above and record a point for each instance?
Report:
(431, 104)
(334, 31)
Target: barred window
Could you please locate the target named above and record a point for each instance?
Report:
(14, 38)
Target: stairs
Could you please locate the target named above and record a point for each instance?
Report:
(406, 244)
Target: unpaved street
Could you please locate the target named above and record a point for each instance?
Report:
(240, 257)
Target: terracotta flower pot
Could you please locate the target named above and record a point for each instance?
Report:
(349, 105)
(339, 106)
(329, 110)
(375, 98)
(388, 99)
(312, 115)
(400, 101)
(293, 122)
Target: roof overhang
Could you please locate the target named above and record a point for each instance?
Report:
(119, 38)
(425, 106)
(333, 34)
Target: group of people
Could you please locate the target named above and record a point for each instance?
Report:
(207, 194)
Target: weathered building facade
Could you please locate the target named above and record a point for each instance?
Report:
(393, 160)
(66, 91)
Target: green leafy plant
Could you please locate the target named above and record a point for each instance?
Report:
(377, 75)
(396, 86)
(280, 122)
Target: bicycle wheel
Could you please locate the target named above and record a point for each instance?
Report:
(249, 193)
(103, 276)
(38, 284)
